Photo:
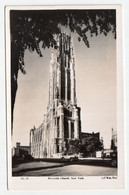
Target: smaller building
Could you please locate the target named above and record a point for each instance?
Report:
(114, 140)
(21, 151)
(107, 153)
(98, 154)
(90, 135)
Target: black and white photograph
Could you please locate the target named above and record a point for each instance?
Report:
(63, 94)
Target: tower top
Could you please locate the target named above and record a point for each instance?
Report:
(62, 71)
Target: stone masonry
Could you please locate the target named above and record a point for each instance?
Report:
(62, 120)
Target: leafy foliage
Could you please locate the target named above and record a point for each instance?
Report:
(91, 144)
(29, 28)
(74, 146)
(85, 146)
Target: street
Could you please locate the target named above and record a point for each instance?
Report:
(74, 170)
(63, 169)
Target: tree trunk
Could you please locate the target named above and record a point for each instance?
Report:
(15, 52)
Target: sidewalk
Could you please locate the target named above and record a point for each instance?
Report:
(35, 166)
(94, 158)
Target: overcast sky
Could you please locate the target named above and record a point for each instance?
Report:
(95, 84)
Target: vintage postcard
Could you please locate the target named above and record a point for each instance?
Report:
(65, 116)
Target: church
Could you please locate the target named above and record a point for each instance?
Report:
(62, 120)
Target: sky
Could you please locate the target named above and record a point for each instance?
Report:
(95, 70)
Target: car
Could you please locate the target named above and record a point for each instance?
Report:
(57, 155)
(70, 158)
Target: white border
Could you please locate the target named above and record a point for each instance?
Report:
(88, 182)
(3, 167)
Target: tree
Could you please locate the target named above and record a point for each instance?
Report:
(30, 28)
(90, 145)
(86, 146)
(74, 146)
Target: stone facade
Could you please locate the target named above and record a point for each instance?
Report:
(62, 120)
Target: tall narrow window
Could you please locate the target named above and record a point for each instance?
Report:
(66, 128)
(69, 86)
(58, 129)
(57, 148)
(72, 130)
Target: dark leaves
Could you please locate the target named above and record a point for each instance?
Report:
(79, 39)
(21, 65)
(85, 146)
(30, 28)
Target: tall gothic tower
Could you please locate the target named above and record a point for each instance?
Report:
(62, 72)
(62, 120)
